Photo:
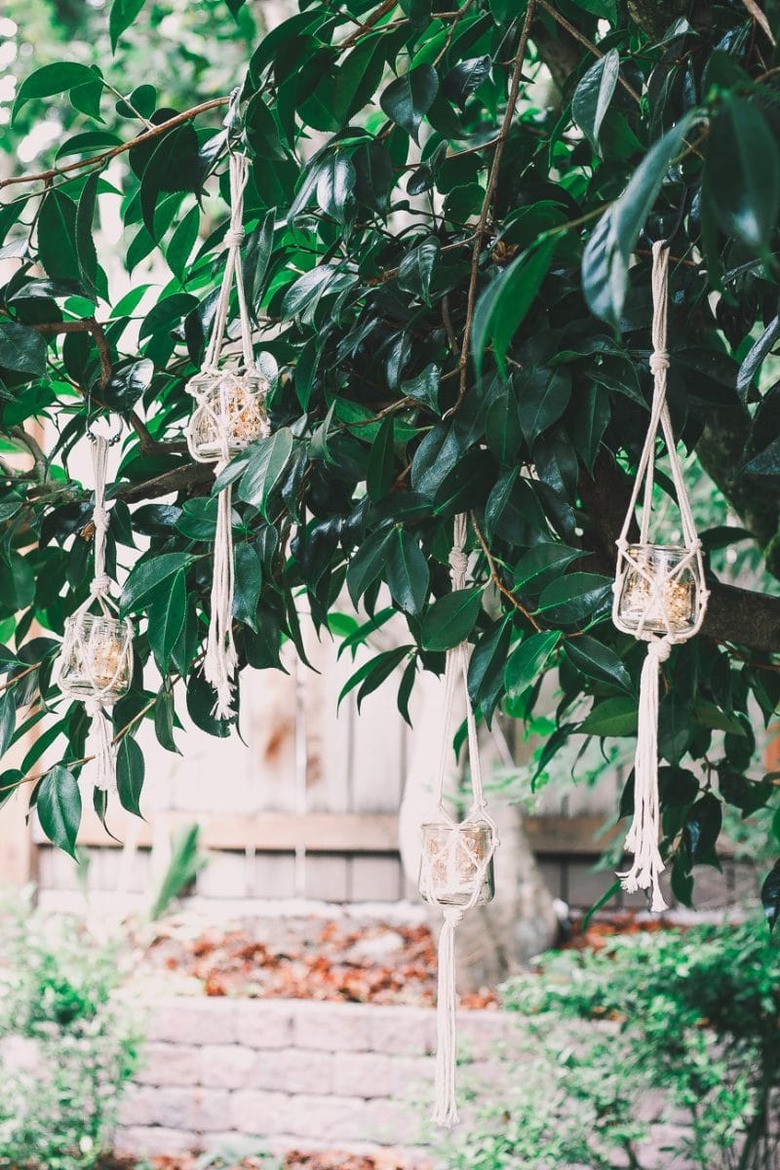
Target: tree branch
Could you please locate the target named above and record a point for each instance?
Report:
(83, 325)
(734, 615)
(481, 231)
(189, 475)
(105, 155)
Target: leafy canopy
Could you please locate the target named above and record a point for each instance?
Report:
(449, 221)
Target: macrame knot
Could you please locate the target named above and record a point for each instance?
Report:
(659, 649)
(659, 360)
(94, 706)
(234, 237)
(100, 585)
(100, 517)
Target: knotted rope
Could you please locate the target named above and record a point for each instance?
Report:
(446, 1109)
(643, 836)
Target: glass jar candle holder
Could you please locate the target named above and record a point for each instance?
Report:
(658, 595)
(96, 657)
(231, 407)
(454, 860)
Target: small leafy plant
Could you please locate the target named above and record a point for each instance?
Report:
(688, 1020)
(66, 1048)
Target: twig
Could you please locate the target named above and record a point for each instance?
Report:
(585, 42)
(760, 17)
(368, 24)
(112, 152)
(83, 325)
(448, 41)
(496, 579)
(514, 87)
(40, 461)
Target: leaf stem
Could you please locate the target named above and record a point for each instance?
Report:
(496, 578)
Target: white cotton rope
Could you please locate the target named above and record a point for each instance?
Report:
(99, 705)
(220, 662)
(644, 834)
(445, 1112)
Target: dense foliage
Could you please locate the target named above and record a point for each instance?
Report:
(449, 218)
(691, 1037)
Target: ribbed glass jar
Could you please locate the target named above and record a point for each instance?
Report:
(230, 414)
(455, 859)
(96, 658)
(659, 595)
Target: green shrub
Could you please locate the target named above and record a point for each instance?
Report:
(66, 1047)
(691, 1018)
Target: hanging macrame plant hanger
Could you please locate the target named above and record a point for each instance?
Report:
(96, 659)
(660, 597)
(456, 862)
(230, 414)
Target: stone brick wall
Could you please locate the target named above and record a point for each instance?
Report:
(290, 1073)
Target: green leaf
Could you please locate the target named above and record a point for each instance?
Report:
(22, 349)
(123, 13)
(7, 721)
(335, 184)
(166, 619)
(574, 597)
(248, 582)
(504, 304)
(542, 397)
(57, 249)
(374, 672)
(702, 829)
(164, 715)
(58, 806)
(424, 387)
(597, 661)
(770, 895)
(406, 572)
(450, 620)
(182, 242)
(465, 78)
(542, 564)
(149, 576)
(86, 252)
(267, 464)
(407, 99)
(58, 77)
(262, 130)
(528, 660)
(381, 461)
(130, 769)
(612, 717)
(367, 563)
(593, 95)
(608, 251)
(742, 173)
(416, 269)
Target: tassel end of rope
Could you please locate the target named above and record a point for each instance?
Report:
(445, 1112)
(105, 760)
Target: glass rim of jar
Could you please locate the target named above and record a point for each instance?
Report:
(452, 826)
(661, 548)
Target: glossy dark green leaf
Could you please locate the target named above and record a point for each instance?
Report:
(424, 387)
(465, 78)
(528, 660)
(597, 661)
(267, 463)
(753, 359)
(450, 620)
(542, 397)
(57, 247)
(574, 597)
(612, 717)
(123, 13)
(542, 564)
(486, 668)
(608, 251)
(256, 256)
(770, 895)
(373, 673)
(367, 563)
(59, 77)
(58, 806)
(262, 130)
(702, 829)
(745, 193)
(7, 720)
(182, 243)
(335, 184)
(593, 95)
(85, 244)
(22, 349)
(406, 572)
(416, 269)
(504, 304)
(408, 99)
(166, 618)
(248, 582)
(130, 769)
(128, 383)
(164, 718)
(381, 461)
(150, 576)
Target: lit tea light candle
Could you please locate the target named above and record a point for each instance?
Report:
(231, 412)
(658, 595)
(455, 859)
(96, 657)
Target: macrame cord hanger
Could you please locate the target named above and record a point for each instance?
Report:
(660, 597)
(96, 659)
(230, 414)
(456, 866)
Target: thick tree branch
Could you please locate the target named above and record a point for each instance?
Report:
(83, 325)
(734, 615)
(189, 475)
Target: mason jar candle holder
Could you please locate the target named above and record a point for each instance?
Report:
(658, 595)
(230, 413)
(96, 657)
(455, 860)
